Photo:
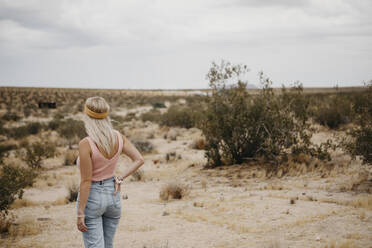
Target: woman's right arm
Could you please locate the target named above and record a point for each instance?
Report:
(131, 151)
(85, 174)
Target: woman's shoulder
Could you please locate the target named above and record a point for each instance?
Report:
(84, 143)
(122, 135)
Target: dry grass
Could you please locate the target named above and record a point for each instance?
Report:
(138, 175)
(70, 157)
(73, 190)
(342, 244)
(174, 190)
(27, 226)
(21, 203)
(6, 221)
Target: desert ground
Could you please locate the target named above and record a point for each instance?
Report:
(232, 206)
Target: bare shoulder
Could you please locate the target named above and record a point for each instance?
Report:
(84, 144)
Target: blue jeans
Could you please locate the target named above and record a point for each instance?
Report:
(102, 214)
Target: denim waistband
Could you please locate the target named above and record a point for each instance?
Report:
(105, 181)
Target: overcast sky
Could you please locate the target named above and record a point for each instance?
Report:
(156, 44)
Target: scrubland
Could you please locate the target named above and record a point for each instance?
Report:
(178, 198)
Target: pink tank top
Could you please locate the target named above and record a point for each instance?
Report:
(102, 167)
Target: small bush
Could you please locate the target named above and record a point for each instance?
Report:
(70, 157)
(335, 112)
(143, 146)
(71, 129)
(173, 190)
(23, 131)
(4, 149)
(152, 115)
(158, 105)
(5, 222)
(12, 182)
(37, 152)
(179, 116)
(73, 190)
(138, 175)
(359, 139)
(10, 116)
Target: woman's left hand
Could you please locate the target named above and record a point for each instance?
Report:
(118, 182)
(81, 224)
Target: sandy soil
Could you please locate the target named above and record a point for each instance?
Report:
(235, 206)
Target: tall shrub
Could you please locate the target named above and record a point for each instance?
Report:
(239, 127)
(358, 142)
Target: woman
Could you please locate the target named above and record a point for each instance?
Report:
(98, 204)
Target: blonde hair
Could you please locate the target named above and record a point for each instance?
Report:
(100, 130)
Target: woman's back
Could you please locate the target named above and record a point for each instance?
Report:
(103, 167)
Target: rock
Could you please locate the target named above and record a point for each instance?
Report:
(43, 219)
(165, 213)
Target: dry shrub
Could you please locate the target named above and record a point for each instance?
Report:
(343, 244)
(198, 144)
(138, 175)
(28, 226)
(6, 221)
(21, 203)
(174, 190)
(73, 190)
(364, 201)
(61, 201)
(70, 157)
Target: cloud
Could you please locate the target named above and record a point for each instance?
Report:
(115, 38)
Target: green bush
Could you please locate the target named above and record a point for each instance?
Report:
(23, 131)
(71, 129)
(158, 105)
(335, 111)
(10, 116)
(12, 182)
(4, 149)
(37, 152)
(180, 116)
(153, 115)
(359, 139)
(240, 127)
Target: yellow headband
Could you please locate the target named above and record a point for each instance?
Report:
(93, 114)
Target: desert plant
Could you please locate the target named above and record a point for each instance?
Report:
(73, 190)
(181, 116)
(158, 105)
(153, 115)
(72, 129)
(359, 138)
(138, 175)
(12, 182)
(336, 111)
(70, 157)
(173, 190)
(238, 126)
(10, 116)
(143, 146)
(23, 131)
(4, 149)
(37, 152)
(6, 221)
